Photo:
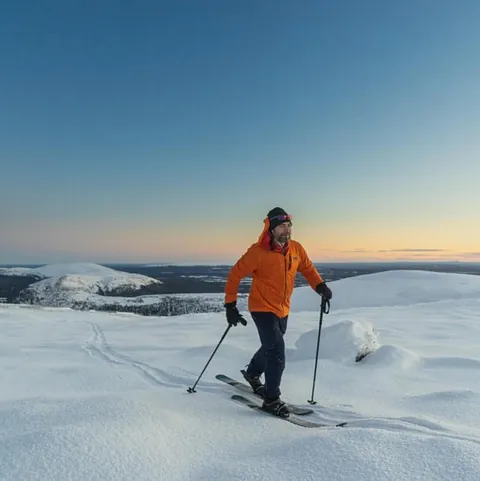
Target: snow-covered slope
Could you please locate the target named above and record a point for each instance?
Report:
(402, 287)
(16, 271)
(89, 395)
(64, 284)
(87, 269)
(79, 268)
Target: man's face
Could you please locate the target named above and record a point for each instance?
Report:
(282, 232)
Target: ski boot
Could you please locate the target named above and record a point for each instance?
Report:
(276, 407)
(255, 383)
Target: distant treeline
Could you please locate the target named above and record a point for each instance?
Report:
(166, 306)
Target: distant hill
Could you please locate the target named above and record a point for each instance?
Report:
(92, 286)
(60, 283)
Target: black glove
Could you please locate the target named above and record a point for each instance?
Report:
(233, 316)
(324, 291)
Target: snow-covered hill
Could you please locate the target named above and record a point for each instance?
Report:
(103, 397)
(393, 288)
(18, 271)
(76, 268)
(64, 284)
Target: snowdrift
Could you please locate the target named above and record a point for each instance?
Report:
(343, 341)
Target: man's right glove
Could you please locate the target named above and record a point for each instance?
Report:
(233, 315)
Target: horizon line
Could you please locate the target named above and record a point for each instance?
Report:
(224, 263)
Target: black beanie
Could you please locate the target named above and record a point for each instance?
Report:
(274, 212)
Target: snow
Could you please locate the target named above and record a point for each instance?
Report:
(16, 271)
(82, 275)
(57, 270)
(102, 396)
(64, 284)
(85, 268)
(393, 288)
(93, 283)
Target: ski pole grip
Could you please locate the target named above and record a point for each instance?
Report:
(325, 305)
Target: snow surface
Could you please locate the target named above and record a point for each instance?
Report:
(394, 288)
(100, 396)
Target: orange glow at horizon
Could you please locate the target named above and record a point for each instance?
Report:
(220, 243)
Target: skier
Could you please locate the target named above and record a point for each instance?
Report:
(273, 262)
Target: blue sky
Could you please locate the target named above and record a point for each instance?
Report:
(129, 126)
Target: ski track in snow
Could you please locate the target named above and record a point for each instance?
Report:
(407, 424)
(99, 347)
(411, 424)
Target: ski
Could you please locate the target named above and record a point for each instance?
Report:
(298, 410)
(292, 418)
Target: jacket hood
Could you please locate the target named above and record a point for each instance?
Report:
(265, 238)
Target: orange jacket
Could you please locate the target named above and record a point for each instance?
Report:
(273, 272)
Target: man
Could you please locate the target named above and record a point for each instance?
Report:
(273, 262)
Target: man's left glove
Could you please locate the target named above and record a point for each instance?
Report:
(233, 315)
(324, 291)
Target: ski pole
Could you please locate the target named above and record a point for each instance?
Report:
(323, 309)
(192, 389)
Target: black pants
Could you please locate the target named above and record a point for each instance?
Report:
(270, 357)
